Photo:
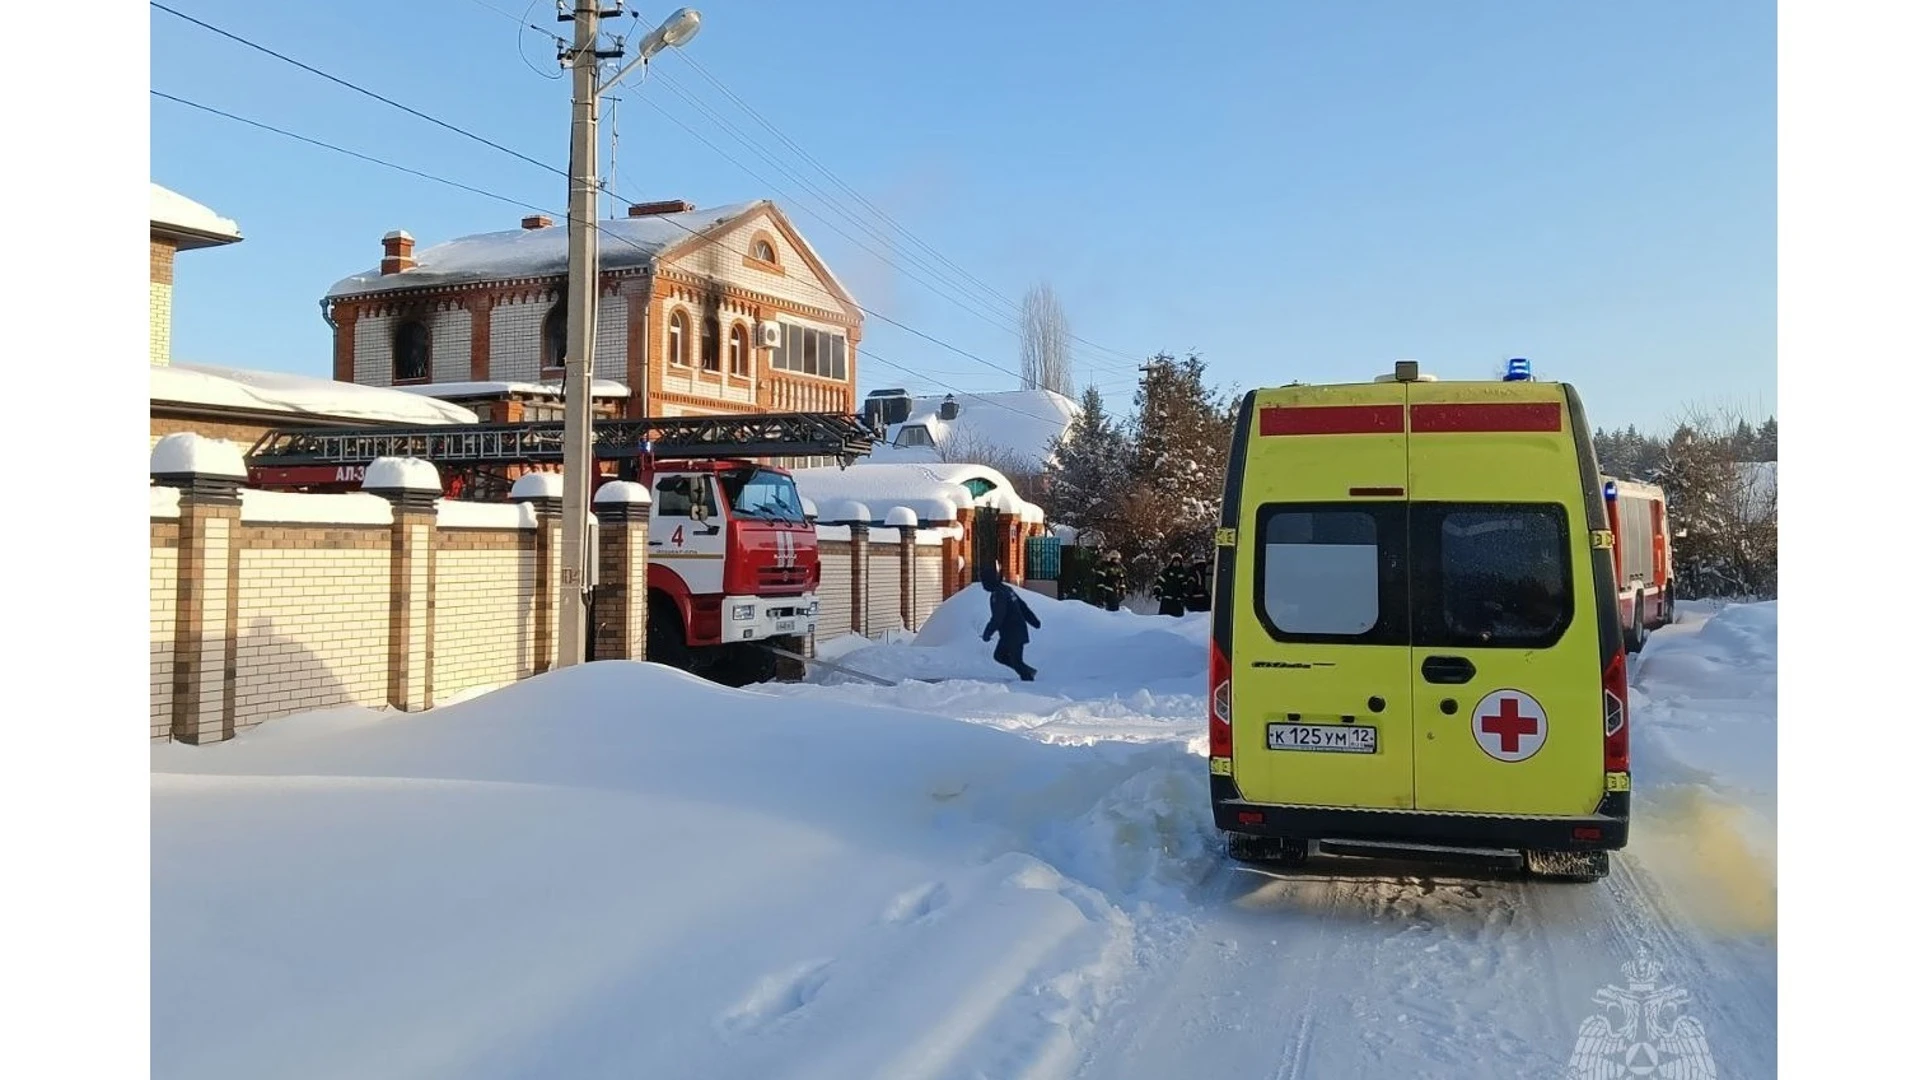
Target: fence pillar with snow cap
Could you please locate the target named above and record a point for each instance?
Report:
(620, 599)
(905, 520)
(207, 473)
(541, 490)
(957, 563)
(412, 486)
(855, 516)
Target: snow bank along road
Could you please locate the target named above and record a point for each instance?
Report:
(618, 870)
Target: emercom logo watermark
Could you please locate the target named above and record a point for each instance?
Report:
(1643, 1031)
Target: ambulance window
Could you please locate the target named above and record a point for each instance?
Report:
(1504, 575)
(1323, 572)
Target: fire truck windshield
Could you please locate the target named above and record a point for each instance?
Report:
(763, 494)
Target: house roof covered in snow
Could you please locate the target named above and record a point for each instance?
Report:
(1019, 423)
(190, 224)
(626, 243)
(932, 491)
(279, 392)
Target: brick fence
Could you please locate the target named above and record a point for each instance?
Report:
(268, 603)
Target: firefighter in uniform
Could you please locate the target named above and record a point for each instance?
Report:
(1171, 587)
(1109, 582)
(1197, 595)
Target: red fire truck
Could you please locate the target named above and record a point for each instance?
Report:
(1642, 557)
(732, 562)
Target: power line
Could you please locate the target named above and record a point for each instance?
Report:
(523, 157)
(410, 110)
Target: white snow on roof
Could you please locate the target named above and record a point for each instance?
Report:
(170, 208)
(1022, 423)
(882, 487)
(602, 388)
(522, 253)
(190, 453)
(277, 391)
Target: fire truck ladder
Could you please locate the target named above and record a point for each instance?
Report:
(843, 438)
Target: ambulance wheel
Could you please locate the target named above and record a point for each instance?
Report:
(1266, 849)
(1576, 866)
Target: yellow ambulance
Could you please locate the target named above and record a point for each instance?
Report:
(1416, 644)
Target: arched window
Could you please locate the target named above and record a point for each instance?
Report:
(553, 336)
(737, 350)
(677, 338)
(763, 251)
(412, 352)
(710, 345)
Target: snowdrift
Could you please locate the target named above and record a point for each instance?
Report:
(1076, 646)
(620, 870)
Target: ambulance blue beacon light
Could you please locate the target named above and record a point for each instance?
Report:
(1519, 369)
(1612, 492)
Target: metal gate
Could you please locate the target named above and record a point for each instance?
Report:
(986, 539)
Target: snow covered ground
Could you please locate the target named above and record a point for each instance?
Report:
(618, 870)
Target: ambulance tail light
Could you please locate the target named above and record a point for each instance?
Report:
(1219, 705)
(1613, 700)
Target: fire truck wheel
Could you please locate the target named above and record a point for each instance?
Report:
(1637, 626)
(666, 642)
(743, 665)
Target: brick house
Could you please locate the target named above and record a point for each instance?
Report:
(236, 404)
(726, 310)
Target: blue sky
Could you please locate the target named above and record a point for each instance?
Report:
(1294, 190)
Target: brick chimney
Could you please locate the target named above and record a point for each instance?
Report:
(398, 252)
(536, 221)
(664, 206)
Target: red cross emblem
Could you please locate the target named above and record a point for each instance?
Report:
(1509, 725)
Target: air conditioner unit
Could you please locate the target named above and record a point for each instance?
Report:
(767, 335)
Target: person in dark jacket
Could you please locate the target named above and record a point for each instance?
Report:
(1198, 594)
(1109, 582)
(1010, 618)
(1171, 588)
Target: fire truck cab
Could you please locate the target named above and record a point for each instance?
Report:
(732, 564)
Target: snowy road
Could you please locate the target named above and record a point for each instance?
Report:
(1361, 968)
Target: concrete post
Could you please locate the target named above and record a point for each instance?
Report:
(208, 473)
(620, 600)
(412, 486)
(542, 491)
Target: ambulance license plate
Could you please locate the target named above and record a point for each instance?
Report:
(1330, 738)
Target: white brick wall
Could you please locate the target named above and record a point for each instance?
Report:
(313, 631)
(610, 342)
(515, 349)
(483, 619)
(160, 323)
(452, 346)
(373, 350)
(163, 569)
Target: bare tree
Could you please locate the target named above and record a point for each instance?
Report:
(1726, 504)
(972, 448)
(1046, 351)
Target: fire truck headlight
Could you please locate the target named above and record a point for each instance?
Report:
(813, 607)
(742, 612)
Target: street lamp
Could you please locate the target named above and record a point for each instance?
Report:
(583, 300)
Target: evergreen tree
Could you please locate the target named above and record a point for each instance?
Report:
(1182, 430)
(1088, 478)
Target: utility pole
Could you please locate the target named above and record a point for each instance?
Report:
(583, 296)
